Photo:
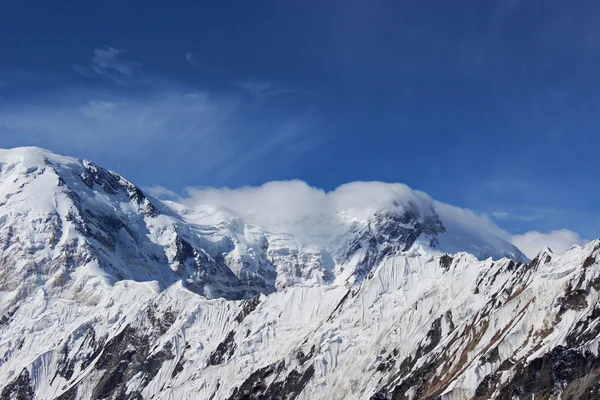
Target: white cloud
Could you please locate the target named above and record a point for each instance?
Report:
(108, 62)
(294, 201)
(531, 243)
(307, 212)
(313, 215)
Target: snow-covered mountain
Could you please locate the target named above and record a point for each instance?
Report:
(107, 292)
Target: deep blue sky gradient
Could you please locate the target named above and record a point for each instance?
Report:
(492, 106)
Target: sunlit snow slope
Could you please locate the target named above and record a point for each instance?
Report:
(106, 292)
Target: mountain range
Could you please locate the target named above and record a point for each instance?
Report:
(107, 292)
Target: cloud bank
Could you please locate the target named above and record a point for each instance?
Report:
(314, 216)
(295, 208)
(293, 201)
(558, 241)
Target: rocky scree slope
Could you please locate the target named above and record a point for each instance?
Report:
(107, 293)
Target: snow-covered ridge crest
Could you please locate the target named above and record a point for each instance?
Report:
(232, 243)
(295, 207)
(313, 216)
(108, 293)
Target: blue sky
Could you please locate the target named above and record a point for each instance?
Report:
(492, 106)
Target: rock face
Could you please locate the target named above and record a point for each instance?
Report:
(108, 293)
(392, 232)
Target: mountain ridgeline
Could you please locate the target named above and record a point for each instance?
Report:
(109, 293)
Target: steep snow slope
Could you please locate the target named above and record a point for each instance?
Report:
(419, 327)
(66, 221)
(108, 293)
(64, 218)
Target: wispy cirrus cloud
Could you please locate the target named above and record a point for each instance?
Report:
(192, 59)
(169, 128)
(109, 62)
(509, 216)
(263, 89)
(165, 133)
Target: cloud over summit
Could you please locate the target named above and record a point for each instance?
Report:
(296, 208)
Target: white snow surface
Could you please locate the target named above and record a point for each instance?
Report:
(109, 293)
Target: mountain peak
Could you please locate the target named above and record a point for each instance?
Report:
(270, 292)
(32, 156)
(233, 247)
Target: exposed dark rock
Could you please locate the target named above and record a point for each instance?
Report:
(154, 363)
(491, 357)
(416, 379)
(549, 374)
(596, 283)
(572, 300)
(510, 266)
(247, 307)
(125, 356)
(163, 324)
(390, 232)
(224, 350)
(139, 198)
(389, 362)
(6, 318)
(183, 250)
(433, 337)
(410, 381)
(179, 366)
(487, 386)
(413, 377)
(90, 341)
(339, 306)
(534, 264)
(19, 389)
(585, 330)
(112, 184)
(448, 317)
(118, 354)
(303, 358)
(291, 387)
(256, 387)
(254, 384)
(446, 261)
(589, 261)
(65, 366)
(70, 394)
(94, 174)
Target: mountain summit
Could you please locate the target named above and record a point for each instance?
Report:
(64, 217)
(107, 292)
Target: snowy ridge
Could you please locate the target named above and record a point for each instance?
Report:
(106, 292)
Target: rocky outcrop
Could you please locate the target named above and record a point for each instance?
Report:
(393, 231)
